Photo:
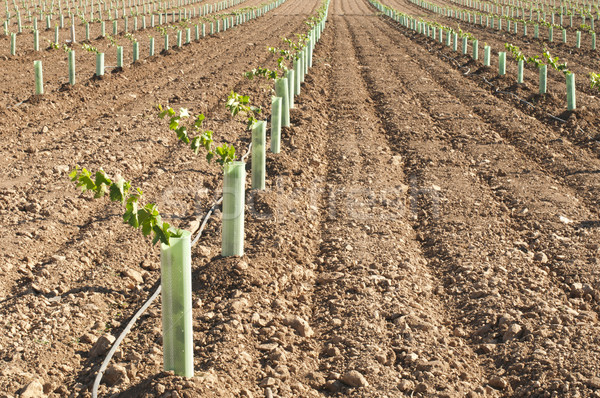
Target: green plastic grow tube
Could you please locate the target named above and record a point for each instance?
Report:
(502, 63)
(520, 66)
(281, 90)
(100, 64)
(39, 77)
(119, 56)
(259, 139)
(543, 78)
(571, 101)
(72, 67)
(176, 284)
(486, 55)
(289, 74)
(234, 178)
(276, 103)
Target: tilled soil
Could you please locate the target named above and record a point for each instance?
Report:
(420, 235)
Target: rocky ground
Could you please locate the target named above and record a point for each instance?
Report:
(420, 235)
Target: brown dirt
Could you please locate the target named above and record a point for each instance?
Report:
(418, 228)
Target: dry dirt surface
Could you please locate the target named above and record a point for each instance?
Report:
(420, 234)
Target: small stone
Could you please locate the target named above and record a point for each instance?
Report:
(203, 250)
(513, 332)
(102, 345)
(245, 393)
(62, 169)
(498, 383)
(134, 276)
(334, 386)
(411, 357)
(540, 257)
(88, 338)
(239, 305)
(381, 358)
(300, 325)
(115, 374)
(594, 382)
(355, 379)
(267, 346)
(160, 389)
(487, 348)
(58, 259)
(576, 289)
(459, 332)
(99, 325)
(396, 160)
(45, 129)
(268, 382)
(421, 387)
(241, 266)
(33, 390)
(405, 385)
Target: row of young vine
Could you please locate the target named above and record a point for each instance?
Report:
(436, 31)
(512, 25)
(223, 22)
(176, 243)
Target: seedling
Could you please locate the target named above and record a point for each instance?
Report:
(595, 80)
(89, 48)
(130, 37)
(145, 217)
(112, 41)
(535, 60)
(515, 51)
(237, 103)
(553, 62)
(261, 72)
(224, 154)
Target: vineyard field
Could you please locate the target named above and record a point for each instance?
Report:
(429, 228)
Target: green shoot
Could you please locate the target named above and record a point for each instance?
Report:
(595, 80)
(515, 51)
(89, 48)
(237, 103)
(204, 139)
(553, 62)
(145, 217)
(262, 72)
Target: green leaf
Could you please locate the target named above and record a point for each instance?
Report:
(195, 144)
(183, 112)
(161, 233)
(131, 216)
(182, 134)
(199, 120)
(85, 181)
(116, 191)
(102, 182)
(174, 123)
(74, 173)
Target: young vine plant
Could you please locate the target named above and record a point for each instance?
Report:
(240, 104)
(145, 217)
(595, 80)
(554, 63)
(203, 139)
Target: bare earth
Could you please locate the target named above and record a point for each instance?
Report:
(420, 234)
